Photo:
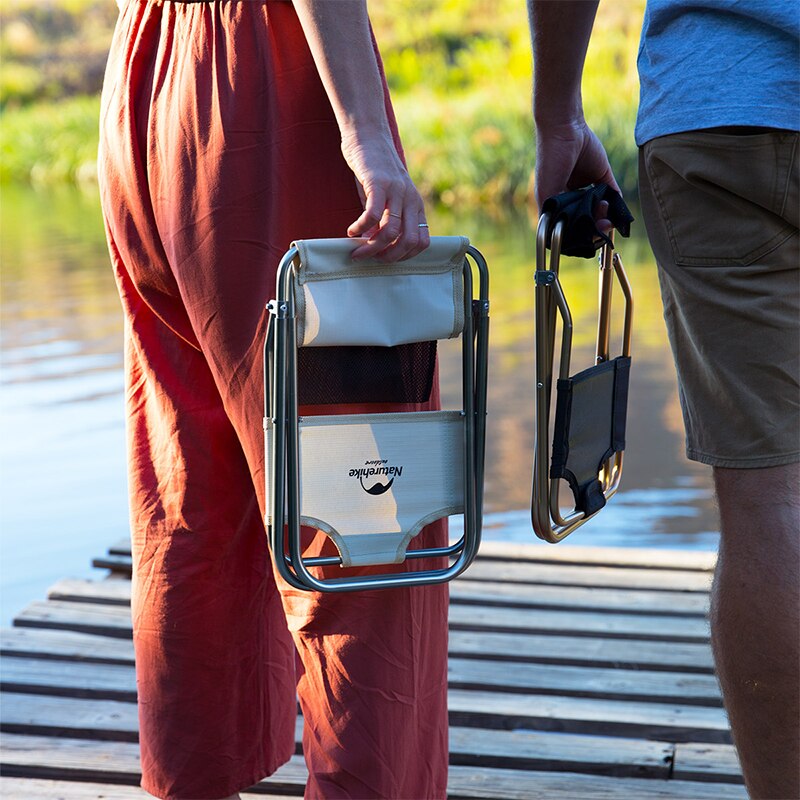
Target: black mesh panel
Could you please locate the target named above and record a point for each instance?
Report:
(402, 374)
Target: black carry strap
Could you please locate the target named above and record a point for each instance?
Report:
(575, 209)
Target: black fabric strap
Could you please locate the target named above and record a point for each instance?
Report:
(576, 209)
(589, 428)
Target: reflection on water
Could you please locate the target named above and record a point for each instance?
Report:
(62, 445)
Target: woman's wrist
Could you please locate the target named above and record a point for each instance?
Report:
(357, 130)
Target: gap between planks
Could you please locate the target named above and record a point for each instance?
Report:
(597, 653)
(518, 749)
(119, 763)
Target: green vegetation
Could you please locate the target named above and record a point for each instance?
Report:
(51, 49)
(459, 71)
(50, 142)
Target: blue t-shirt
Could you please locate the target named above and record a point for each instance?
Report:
(707, 63)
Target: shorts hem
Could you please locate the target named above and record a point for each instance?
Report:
(760, 462)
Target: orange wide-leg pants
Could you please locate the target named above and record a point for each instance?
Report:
(218, 148)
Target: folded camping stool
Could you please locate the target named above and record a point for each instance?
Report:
(371, 482)
(588, 434)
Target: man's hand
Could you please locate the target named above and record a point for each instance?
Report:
(568, 157)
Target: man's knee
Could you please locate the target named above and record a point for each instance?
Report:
(753, 489)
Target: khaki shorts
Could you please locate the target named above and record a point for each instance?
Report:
(721, 212)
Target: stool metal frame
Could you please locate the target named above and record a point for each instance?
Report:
(549, 522)
(281, 408)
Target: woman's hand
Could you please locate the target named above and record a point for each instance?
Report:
(393, 221)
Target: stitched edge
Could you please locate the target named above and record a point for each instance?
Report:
(792, 159)
(371, 419)
(377, 269)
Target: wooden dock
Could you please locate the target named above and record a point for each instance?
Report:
(574, 673)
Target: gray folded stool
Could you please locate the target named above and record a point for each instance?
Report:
(587, 436)
(371, 482)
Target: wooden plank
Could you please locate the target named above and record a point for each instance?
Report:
(113, 620)
(568, 598)
(470, 783)
(38, 789)
(547, 573)
(76, 717)
(58, 645)
(111, 762)
(577, 651)
(491, 748)
(118, 763)
(122, 547)
(117, 564)
(69, 679)
(118, 682)
(522, 648)
(707, 762)
(464, 591)
(568, 681)
(595, 576)
(664, 722)
(68, 717)
(644, 557)
(542, 751)
(579, 623)
(668, 627)
(106, 592)
(102, 620)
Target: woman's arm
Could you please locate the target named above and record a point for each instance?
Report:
(340, 40)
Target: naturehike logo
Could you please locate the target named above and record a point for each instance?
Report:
(372, 468)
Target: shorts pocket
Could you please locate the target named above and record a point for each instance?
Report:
(722, 197)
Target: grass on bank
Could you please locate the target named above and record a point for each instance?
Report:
(50, 142)
(459, 72)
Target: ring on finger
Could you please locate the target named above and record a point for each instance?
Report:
(422, 225)
(392, 214)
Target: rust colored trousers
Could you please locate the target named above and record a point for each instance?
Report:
(218, 147)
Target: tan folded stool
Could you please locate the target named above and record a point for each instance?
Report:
(371, 482)
(588, 434)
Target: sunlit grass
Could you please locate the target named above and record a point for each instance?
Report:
(459, 72)
(50, 142)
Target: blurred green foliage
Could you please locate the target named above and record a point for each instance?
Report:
(459, 72)
(50, 49)
(50, 142)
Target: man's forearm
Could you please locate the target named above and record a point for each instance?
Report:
(560, 31)
(340, 40)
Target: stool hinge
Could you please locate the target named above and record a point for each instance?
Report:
(278, 311)
(544, 277)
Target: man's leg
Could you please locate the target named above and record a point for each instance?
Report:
(721, 212)
(755, 623)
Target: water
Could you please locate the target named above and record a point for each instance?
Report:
(62, 468)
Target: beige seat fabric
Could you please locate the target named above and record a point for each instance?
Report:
(372, 481)
(342, 302)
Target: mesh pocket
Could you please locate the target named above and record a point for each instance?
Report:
(402, 374)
